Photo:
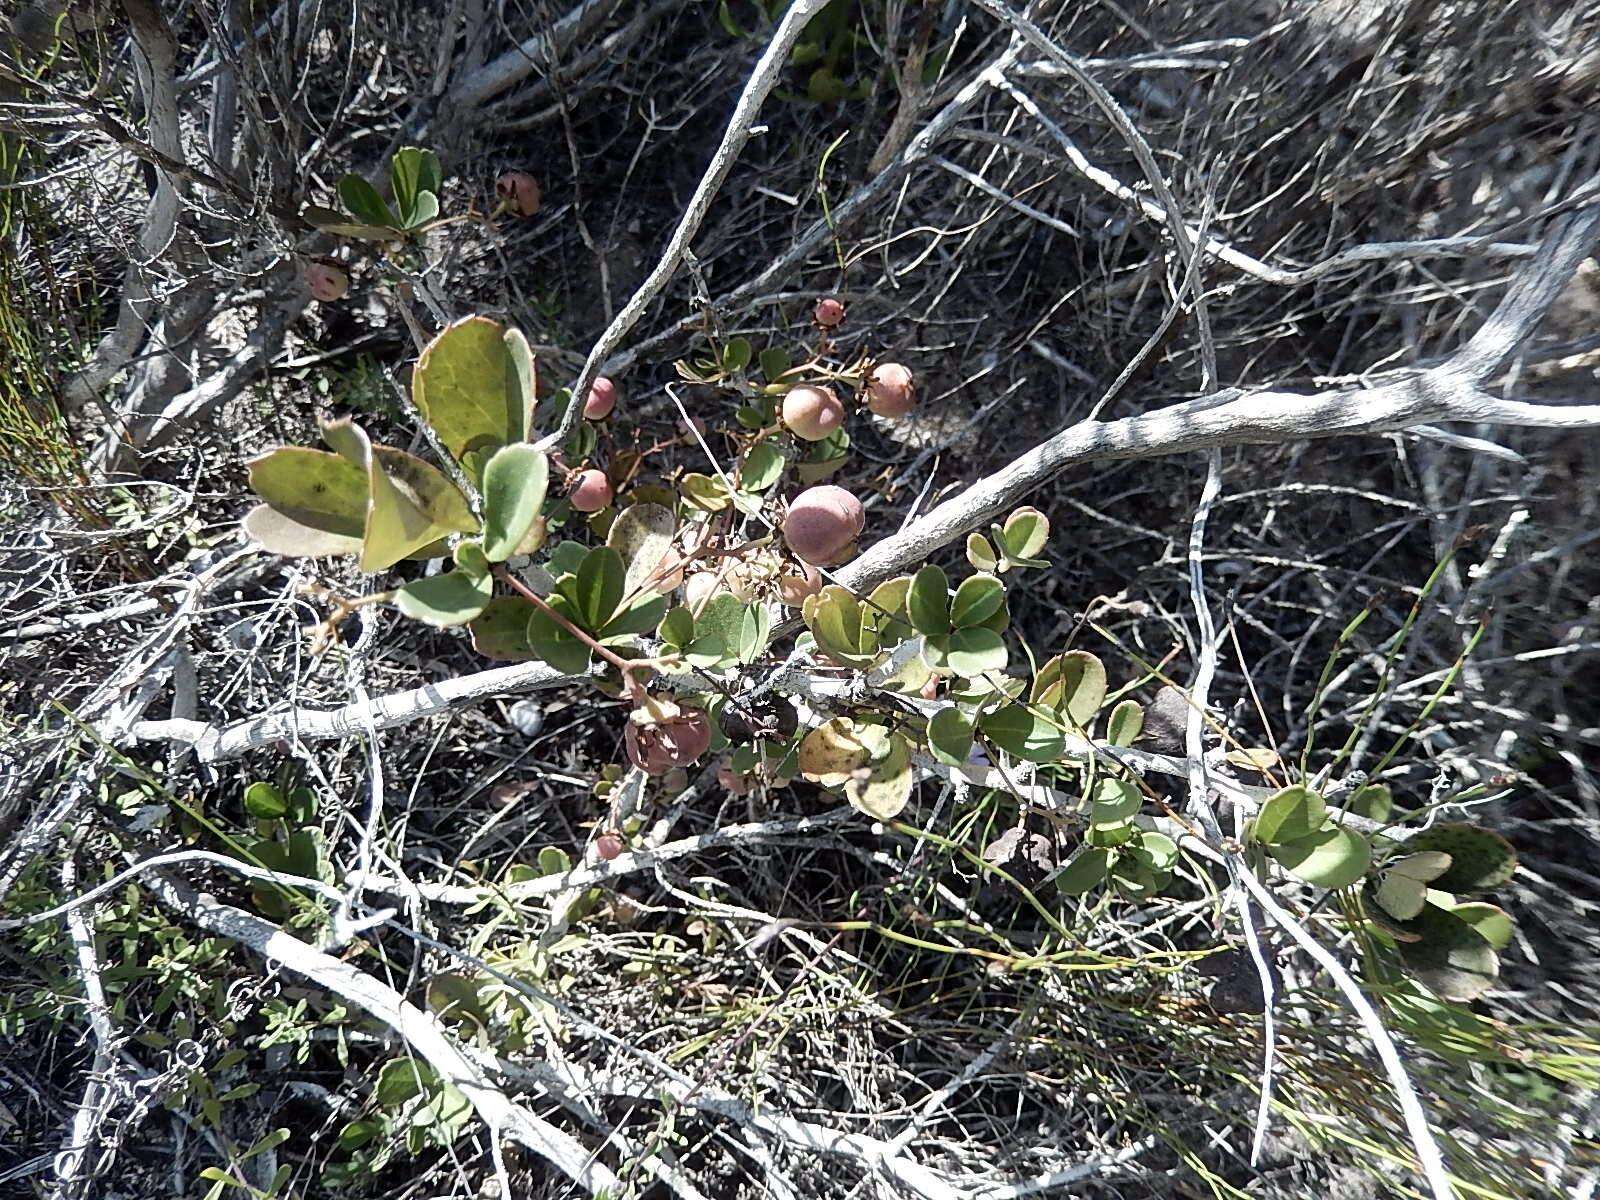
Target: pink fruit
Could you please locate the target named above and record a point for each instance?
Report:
(519, 192)
(812, 413)
(675, 742)
(602, 399)
(930, 690)
(327, 282)
(590, 492)
(829, 313)
(891, 391)
(793, 589)
(608, 846)
(823, 524)
(734, 781)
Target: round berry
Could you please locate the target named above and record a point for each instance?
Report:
(519, 192)
(602, 399)
(823, 523)
(812, 413)
(891, 391)
(591, 491)
(829, 313)
(327, 282)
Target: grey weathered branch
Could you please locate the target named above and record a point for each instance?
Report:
(1448, 392)
(156, 62)
(212, 744)
(517, 64)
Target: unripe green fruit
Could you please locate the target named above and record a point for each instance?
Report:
(812, 413)
(891, 391)
(591, 492)
(602, 399)
(823, 523)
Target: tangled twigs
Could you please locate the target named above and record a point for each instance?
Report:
(762, 80)
(503, 1116)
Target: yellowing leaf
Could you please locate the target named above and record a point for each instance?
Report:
(409, 503)
(474, 383)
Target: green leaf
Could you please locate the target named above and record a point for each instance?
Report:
(1019, 732)
(642, 534)
(501, 630)
(728, 631)
(677, 628)
(566, 557)
(402, 1079)
(967, 652)
(736, 354)
(1375, 802)
(555, 645)
(774, 362)
(1491, 923)
(640, 615)
(1479, 860)
(514, 484)
(928, 602)
(1115, 801)
(597, 589)
(977, 600)
(1073, 683)
(553, 860)
(271, 1142)
(980, 553)
(474, 383)
(1025, 533)
(1158, 851)
(1451, 957)
(356, 1134)
(842, 627)
(762, 467)
(265, 802)
(1087, 869)
(1332, 857)
(362, 201)
(329, 220)
(414, 172)
(451, 598)
(316, 503)
(950, 736)
(1291, 814)
(410, 504)
(1401, 888)
(1124, 724)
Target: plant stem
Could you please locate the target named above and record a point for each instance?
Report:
(632, 686)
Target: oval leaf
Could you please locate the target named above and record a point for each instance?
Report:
(642, 534)
(1293, 813)
(474, 384)
(1022, 734)
(514, 483)
(1332, 857)
(977, 599)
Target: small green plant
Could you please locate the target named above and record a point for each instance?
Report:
(663, 587)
